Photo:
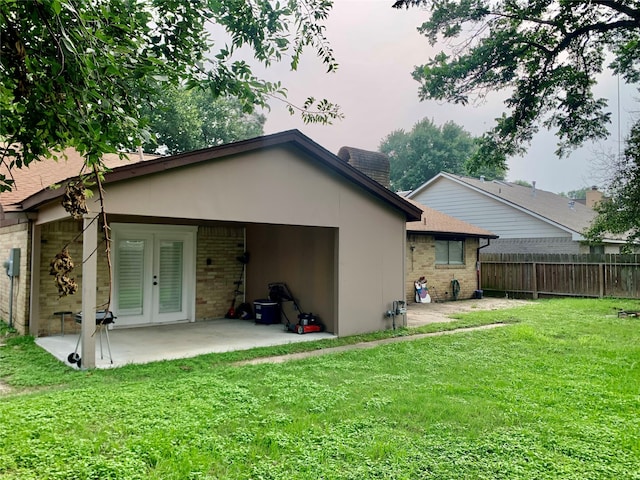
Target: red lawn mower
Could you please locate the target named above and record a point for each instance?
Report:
(307, 322)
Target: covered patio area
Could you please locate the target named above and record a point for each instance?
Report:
(174, 341)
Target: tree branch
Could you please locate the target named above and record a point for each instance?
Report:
(596, 27)
(619, 7)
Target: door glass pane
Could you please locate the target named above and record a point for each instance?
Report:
(130, 276)
(170, 294)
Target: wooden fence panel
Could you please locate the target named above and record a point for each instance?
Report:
(562, 275)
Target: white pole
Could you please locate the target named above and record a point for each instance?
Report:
(89, 274)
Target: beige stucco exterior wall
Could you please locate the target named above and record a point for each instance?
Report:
(371, 268)
(15, 236)
(421, 261)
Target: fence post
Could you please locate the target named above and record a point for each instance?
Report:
(601, 279)
(534, 280)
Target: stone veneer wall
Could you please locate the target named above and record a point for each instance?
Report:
(217, 268)
(421, 261)
(54, 237)
(16, 236)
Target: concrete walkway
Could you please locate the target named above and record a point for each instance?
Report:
(362, 345)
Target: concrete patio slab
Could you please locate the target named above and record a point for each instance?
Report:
(182, 340)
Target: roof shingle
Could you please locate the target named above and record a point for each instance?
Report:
(42, 174)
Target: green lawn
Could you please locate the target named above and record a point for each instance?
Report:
(555, 394)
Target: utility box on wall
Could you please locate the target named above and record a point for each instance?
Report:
(13, 264)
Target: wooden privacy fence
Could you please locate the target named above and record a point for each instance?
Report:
(561, 275)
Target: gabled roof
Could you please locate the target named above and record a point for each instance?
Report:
(30, 199)
(560, 211)
(435, 222)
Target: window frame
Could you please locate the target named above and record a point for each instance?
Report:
(449, 241)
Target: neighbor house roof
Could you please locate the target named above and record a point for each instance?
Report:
(435, 222)
(561, 211)
(41, 175)
(30, 198)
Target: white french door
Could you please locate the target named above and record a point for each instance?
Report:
(153, 273)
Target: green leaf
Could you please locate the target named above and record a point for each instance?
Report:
(56, 6)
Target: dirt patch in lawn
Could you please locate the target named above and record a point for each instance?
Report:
(4, 388)
(424, 313)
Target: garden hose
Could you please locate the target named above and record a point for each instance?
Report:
(455, 288)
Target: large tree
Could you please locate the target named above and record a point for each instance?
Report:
(181, 120)
(73, 73)
(620, 214)
(427, 150)
(546, 54)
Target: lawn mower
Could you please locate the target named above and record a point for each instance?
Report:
(307, 322)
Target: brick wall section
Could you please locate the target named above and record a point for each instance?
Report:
(217, 268)
(16, 236)
(421, 261)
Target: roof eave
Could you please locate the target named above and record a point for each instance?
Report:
(463, 234)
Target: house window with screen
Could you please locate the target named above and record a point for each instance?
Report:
(449, 251)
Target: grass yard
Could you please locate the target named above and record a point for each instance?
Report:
(553, 395)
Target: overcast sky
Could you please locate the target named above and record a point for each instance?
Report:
(377, 48)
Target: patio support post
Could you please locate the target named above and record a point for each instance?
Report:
(89, 282)
(34, 296)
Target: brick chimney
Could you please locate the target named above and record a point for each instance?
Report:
(373, 164)
(593, 197)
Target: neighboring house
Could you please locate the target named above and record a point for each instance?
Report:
(178, 225)
(442, 249)
(527, 219)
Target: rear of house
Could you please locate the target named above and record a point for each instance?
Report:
(178, 225)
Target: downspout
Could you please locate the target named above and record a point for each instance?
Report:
(478, 262)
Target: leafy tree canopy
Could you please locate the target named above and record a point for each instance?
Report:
(620, 214)
(181, 120)
(523, 183)
(578, 194)
(545, 53)
(74, 73)
(427, 150)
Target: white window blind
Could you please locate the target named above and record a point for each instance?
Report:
(130, 268)
(171, 253)
(449, 252)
